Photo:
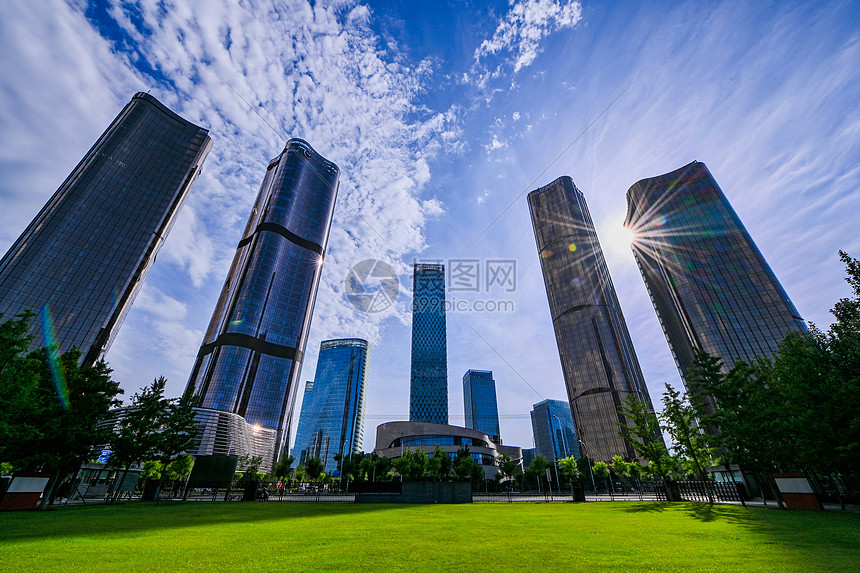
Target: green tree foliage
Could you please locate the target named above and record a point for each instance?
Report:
(508, 468)
(601, 472)
(620, 467)
(180, 468)
(51, 406)
(136, 436)
(681, 414)
(314, 468)
(154, 428)
(536, 472)
(798, 410)
(411, 465)
(379, 468)
(643, 433)
(467, 469)
(569, 469)
(282, 469)
(152, 469)
(438, 467)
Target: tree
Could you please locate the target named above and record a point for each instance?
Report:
(477, 474)
(135, 438)
(377, 467)
(438, 466)
(620, 467)
(508, 468)
(462, 465)
(51, 406)
(601, 471)
(680, 416)
(537, 469)
(178, 428)
(282, 469)
(570, 469)
(644, 434)
(314, 468)
(180, 468)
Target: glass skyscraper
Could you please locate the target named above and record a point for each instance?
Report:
(332, 418)
(597, 357)
(428, 389)
(251, 357)
(81, 261)
(709, 284)
(479, 398)
(554, 433)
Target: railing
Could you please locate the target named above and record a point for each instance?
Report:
(284, 491)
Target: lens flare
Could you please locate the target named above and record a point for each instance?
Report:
(660, 220)
(53, 351)
(572, 248)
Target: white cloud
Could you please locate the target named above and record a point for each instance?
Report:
(312, 71)
(494, 144)
(519, 34)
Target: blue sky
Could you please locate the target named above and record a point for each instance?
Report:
(441, 116)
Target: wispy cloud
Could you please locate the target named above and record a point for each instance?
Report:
(518, 36)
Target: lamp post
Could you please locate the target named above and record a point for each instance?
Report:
(591, 471)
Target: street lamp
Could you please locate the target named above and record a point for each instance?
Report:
(590, 470)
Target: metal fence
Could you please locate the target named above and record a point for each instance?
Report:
(284, 491)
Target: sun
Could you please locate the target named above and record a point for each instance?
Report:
(619, 239)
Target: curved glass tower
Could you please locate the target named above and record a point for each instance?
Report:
(709, 284)
(81, 261)
(553, 430)
(251, 357)
(332, 418)
(428, 387)
(597, 357)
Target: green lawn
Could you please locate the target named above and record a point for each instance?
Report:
(592, 537)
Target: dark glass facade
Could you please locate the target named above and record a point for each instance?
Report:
(251, 356)
(597, 357)
(332, 418)
(81, 261)
(479, 399)
(428, 390)
(554, 433)
(709, 284)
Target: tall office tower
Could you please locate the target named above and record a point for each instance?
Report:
(554, 433)
(251, 357)
(710, 285)
(428, 388)
(597, 357)
(482, 408)
(332, 418)
(81, 261)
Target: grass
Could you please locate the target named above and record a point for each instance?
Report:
(592, 537)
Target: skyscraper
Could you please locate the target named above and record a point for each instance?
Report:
(251, 357)
(709, 283)
(81, 261)
(332, 418)
(479, 398)
(597, 357)
(554, 433)
(428, 389)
